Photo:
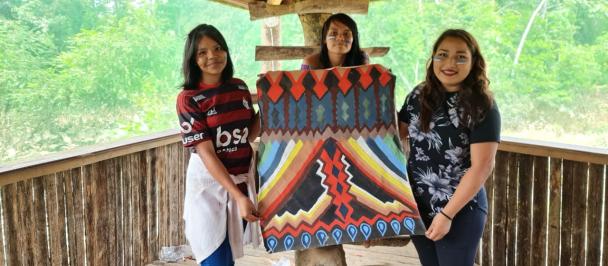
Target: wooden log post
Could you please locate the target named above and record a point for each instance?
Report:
(312, 25)
(271, 36)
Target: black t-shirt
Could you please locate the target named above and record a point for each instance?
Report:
(439, 158)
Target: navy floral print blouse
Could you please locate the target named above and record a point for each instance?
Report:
(439, 158)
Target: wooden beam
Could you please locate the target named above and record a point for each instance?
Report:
(62, 161)
(260, 9)
(376, 51)
(243, 4)
(269, 53)
(554, 150)
(334, 6)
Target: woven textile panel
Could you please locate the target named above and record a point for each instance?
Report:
(330, 162)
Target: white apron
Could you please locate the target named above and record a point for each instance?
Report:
(210, 212)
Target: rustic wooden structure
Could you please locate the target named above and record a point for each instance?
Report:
(115, 204)
(546, 205)
(312, 15)
(118, 204)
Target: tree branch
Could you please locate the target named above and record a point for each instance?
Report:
(520, 47)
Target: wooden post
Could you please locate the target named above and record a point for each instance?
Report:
(271, 35)
(312, 25)
(329, 255)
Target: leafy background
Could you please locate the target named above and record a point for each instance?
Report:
(76, 73)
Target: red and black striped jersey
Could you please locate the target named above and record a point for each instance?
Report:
(221, 113)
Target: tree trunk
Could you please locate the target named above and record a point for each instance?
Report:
(312, 25)
(326, 256)
(520, 47)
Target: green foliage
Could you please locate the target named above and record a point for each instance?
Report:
(24, 54)
(79, 72)
(116, 59)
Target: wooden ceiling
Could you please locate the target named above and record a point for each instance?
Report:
(270, 8)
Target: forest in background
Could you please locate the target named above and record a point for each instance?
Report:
(82, 72)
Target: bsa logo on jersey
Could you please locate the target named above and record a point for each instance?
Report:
(242, 87)
(225, 138)
(246, 103)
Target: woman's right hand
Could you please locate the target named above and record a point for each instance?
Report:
(207, 153)
(247, 209)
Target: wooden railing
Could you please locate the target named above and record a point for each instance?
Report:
(111, 205)
(546, 203)
(119, 204)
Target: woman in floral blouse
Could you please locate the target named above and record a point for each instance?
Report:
(453, 128)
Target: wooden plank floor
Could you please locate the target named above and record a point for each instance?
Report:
(355, 256)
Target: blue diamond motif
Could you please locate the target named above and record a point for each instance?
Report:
(335, 171)
(343, 210)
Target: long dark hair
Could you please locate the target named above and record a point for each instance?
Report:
(475, 97)
(191, 71)
(355, 56)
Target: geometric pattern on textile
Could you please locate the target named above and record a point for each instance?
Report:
(331, 167)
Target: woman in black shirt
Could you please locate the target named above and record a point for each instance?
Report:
(453, 128)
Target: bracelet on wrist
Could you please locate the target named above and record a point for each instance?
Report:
(446, 216)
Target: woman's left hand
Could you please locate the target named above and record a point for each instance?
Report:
(439, 227)
(247, 209)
